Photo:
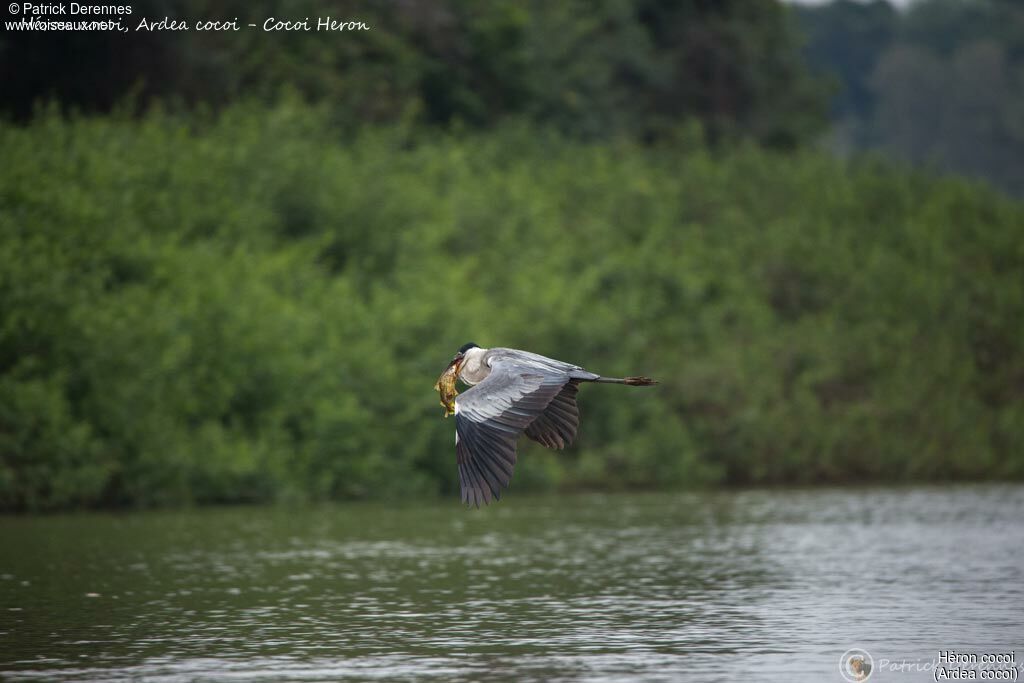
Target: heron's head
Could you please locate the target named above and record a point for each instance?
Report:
(460, 356)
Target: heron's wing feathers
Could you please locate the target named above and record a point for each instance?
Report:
(556, 427)
(531, 360)
(490, 417)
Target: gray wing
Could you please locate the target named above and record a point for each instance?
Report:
(556, 427)
(490, 417)
(539, 362)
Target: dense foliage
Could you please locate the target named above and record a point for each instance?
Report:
(249, 308)
(591, 69)
(940, 84)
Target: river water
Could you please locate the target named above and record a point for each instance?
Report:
(750, 585)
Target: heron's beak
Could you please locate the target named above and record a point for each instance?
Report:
(456, 363)
(451, 372)
(455, 366)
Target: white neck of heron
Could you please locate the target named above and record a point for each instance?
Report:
(474, 369)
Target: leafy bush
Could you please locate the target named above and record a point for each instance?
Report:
(250, 307)
(594, 70)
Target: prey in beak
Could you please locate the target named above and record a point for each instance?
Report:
(445, 384)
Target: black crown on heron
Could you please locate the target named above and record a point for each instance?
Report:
(512, 392)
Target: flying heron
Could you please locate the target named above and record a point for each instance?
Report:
(511, 392)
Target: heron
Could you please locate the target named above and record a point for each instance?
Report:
(511, 392)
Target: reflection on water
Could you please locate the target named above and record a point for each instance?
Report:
(643, 587)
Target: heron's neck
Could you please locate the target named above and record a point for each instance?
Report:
(474, 369)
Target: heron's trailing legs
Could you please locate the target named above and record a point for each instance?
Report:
(631, 381)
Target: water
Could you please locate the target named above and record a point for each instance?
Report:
(725, 586)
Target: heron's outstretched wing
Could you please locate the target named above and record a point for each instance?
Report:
(556, 427)
(490, 417)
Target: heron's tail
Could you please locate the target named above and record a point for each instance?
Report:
(631, 381)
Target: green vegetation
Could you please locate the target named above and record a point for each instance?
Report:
(251, 307)
(941, 84)
(591, 69)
